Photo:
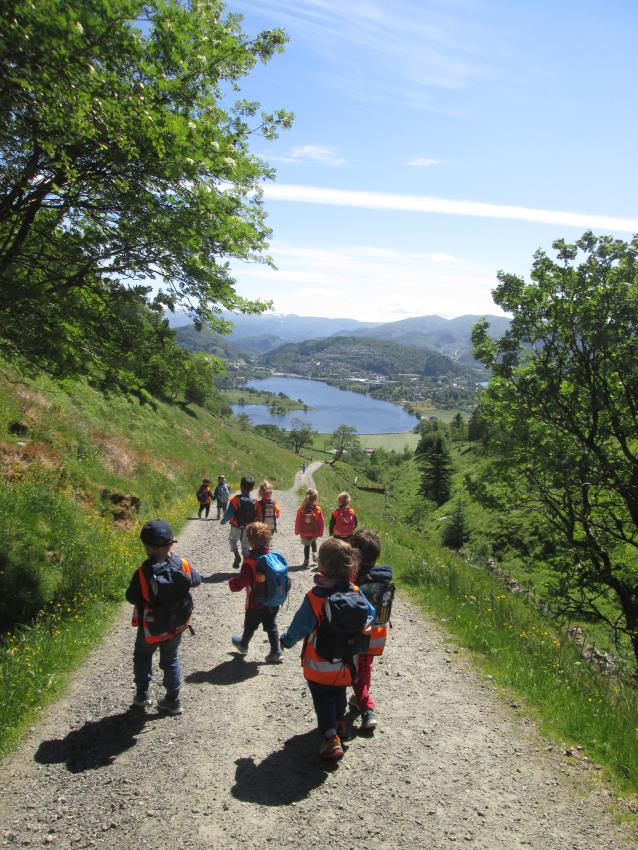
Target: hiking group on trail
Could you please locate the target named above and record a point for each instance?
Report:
(342, 620)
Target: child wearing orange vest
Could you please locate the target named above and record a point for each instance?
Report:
(368, 545)
(309, 525)
(343, 520)
(204, 497)
(326, 680)
(157, 537)
(267, 510)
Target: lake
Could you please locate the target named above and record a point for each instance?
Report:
(331, 407)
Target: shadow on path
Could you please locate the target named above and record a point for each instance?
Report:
(283, 777)
(227, 673)
(218, 578)
(97, 743)
(298, 569)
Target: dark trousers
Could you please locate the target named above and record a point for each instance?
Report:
(205, 508)
(266, 617)
(306, 549)
(330, 706)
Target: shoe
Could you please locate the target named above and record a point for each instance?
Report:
(237, 562)
(353, 702)
(239, 646)
(331, 748)
(142, 699)
(170, 706)
(315, 558)
(306, 563)
(343, 730)
(369, 720)
(274, 658)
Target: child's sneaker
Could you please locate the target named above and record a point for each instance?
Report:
(353, 702)
(369, 720)
(331, 748)
(237, 561)
(170, 706)
(315, 558)
(142, 699)
(306, 563)
(344, 730)
(239, 646)
(274, 657)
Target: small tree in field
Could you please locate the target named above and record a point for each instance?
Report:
(436, 468)
(456, 533)
(300, 435)
(344, 440)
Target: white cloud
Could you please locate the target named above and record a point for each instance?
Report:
(444, 206)
(443, 258)
(423, 162)
(309, 153)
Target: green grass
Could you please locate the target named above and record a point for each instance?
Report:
(390, 442)
(253, 396)
(65, 563)
(509, 639)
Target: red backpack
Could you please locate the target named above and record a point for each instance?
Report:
(344, 522)
(309, 524)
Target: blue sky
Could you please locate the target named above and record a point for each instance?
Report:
(437, 141)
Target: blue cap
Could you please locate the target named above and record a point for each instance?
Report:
(157, 532)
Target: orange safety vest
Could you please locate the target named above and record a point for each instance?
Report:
(378, 637)
(147, 613)
(316, 668)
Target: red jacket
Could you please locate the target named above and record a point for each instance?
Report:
(247, 578)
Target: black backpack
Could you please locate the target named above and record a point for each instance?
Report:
(246, 511)
(378, 588)
(171, 602)
(340, 634)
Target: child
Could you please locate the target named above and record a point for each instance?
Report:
(259, 536)
(221, 494)
(369, 547)
(343, 520)
(240, 512)
(160, 591)
(309, 525)
(327, 680)
(267, 510)
(204, 497)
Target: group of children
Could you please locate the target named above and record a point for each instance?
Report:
(339, 620)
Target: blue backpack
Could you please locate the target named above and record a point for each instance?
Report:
(277, 585)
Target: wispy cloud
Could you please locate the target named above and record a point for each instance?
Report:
(445, 206)
(424, 162)
(310, 153)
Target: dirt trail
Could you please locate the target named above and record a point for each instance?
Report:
(448, 766)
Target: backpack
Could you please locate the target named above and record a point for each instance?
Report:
(202, 495)
(309, 525)
(223, 492)
(268, 515)
(380, 591)
(344, 522)
(168, 610)
(246, 511)
(340, 636)
(277, 585)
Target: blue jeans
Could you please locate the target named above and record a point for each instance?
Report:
(330, 706)
(168, 662)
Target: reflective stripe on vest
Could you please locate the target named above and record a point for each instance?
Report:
(316, 668)
(147, 610)
(377, 640)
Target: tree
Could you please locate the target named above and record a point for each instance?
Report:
(243, 420)
(457, 427)
(456, 533)
(565, 397)
(436, 468)
(300, 434)
(123, 164)
(343, 440)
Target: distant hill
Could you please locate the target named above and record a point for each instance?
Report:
(206, 341)
(343, 356)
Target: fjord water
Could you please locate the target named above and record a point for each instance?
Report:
(331, 407)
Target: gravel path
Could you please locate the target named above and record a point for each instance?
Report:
(449, 765)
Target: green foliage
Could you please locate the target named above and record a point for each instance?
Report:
(343, 440)
(123, 162)
(564, 397)
(433, 457)
(456, 533)
(299, 435)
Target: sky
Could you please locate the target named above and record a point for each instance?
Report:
(437, 142)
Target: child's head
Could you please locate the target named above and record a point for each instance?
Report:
(343, 499)
(259, 535)
(206, 482)
(265, 490)
(220, 479)
(157, 537)
(246, 484)
(367, 544)
(338, 560)
(310, 498)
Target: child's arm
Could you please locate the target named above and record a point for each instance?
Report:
(331, 525)
(298, 522)
(276, 510)
(302, 624)
(321, 523)
(134, 591)
(246, 577)
(230, 513)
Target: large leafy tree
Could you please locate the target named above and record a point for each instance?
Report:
(124, 161)
(563, 408)
(343, 440)
(300, 434)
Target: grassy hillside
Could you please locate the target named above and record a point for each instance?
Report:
(79, 473)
